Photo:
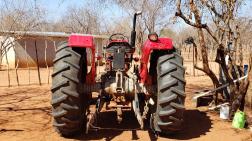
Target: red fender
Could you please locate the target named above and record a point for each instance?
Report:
(161, 44)
(82, 41)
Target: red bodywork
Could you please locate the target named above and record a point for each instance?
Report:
(161, 44)
(85, 42)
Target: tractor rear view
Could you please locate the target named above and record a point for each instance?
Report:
(153, 87)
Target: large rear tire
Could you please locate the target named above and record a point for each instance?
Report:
(168, 117)
(68, 103)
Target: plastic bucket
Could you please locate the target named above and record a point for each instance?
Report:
(239, 120)
(224, 112)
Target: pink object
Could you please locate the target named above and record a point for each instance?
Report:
(80, 41)
(162, 44)
(83, 41)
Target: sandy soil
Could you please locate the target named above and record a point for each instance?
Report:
(25, 115)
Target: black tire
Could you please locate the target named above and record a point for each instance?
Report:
(168, 117)
(68, 107)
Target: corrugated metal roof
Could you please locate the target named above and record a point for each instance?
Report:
(44, 34)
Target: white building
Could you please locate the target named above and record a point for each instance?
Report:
(21, 48)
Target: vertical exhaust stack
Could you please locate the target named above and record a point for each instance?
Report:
(133, 32)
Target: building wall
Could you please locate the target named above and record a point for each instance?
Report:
(23, 51)
(26, 52)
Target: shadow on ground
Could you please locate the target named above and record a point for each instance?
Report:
(196, 124)
(110, 128)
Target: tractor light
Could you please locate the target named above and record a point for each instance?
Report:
(153, 37)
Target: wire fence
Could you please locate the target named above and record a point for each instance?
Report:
(38, 74)
(25, 76)
(34, 76)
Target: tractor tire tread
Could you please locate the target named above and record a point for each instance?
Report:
(59, 113)
(61, 46)
(59, 85)
(59, 100)
(167, 112)
(171, 94)
(57, 58)
(67, 105)
(72, 65)
(168, 99)
(57, 71)
(70, 93)
(69, 77)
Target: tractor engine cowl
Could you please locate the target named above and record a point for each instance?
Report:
(118, 57)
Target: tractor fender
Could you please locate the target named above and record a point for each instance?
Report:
(85, 41)
(160, 44)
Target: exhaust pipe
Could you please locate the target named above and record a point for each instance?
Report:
(133, 32)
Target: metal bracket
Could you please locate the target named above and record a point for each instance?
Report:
(135, 105)
(210, 92)
(91, 117)
(119, 82)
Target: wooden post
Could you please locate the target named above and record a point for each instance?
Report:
(27, 63)
(16, 70)
(8, 66)
(193, 63)
(48, 70)
(36, 50)
(1, 53)
(17, 62)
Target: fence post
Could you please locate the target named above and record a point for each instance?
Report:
(16, 67)
(8, 66)
(27, 63)
(1, 53)
(36, 50)
(48, 70)
(16, 70)
(193, 63)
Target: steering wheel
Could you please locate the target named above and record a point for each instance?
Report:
(118, 36)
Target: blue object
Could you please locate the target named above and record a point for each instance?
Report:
(245, 67)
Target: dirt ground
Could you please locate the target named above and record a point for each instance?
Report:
(25, 115)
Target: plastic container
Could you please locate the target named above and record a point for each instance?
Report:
(239, 120)
(224, 112)
(245, 69)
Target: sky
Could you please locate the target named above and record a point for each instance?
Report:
(55, 9)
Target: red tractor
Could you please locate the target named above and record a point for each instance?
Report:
(154, 87)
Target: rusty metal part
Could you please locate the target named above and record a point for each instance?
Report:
(119, 114)
(91, 118)
(119, 82)
(136, 109)
(118, 86)
(146, 110)
(124, 106)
